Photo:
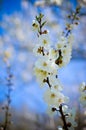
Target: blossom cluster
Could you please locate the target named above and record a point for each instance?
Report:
(50, 58)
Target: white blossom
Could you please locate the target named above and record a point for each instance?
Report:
(83, 94)
(38, 50)
(44, 41)
(55, 82)
(50, 111)
(46, 65)
(83, 99)
(65, 51)
(54, 98)
(60, 128)
(53, 54)
(82, 87)
(40, 75)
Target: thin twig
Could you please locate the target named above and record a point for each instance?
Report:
(8, 96)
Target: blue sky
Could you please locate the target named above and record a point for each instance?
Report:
(8, 6)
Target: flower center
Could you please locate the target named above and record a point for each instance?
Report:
(52, 95)
(45, 64)
(45, 41)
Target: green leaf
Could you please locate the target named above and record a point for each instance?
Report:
(43, 23)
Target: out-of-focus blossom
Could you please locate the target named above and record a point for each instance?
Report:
(48, 2)
(82, 87)
(83, 99)
(82, 2)
(83, 94)
(71, 119)
(16, 43)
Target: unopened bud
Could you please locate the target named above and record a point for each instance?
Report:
(54, 109)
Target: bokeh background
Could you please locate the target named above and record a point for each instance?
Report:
(17, 40)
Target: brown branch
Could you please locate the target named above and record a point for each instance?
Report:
(63, 118)
(47, 81)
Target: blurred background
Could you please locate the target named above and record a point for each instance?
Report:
(17, 40)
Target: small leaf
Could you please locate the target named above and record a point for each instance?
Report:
(41, 16)
(43, 23)
(37, 18)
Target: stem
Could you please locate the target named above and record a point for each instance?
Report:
(63, 117)
(6, 118)
(72, 22)
(40, 26)
(47, 81)
(43, 51)
(68, 32)
(7, 107)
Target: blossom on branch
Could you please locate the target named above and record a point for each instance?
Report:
(50, 58)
